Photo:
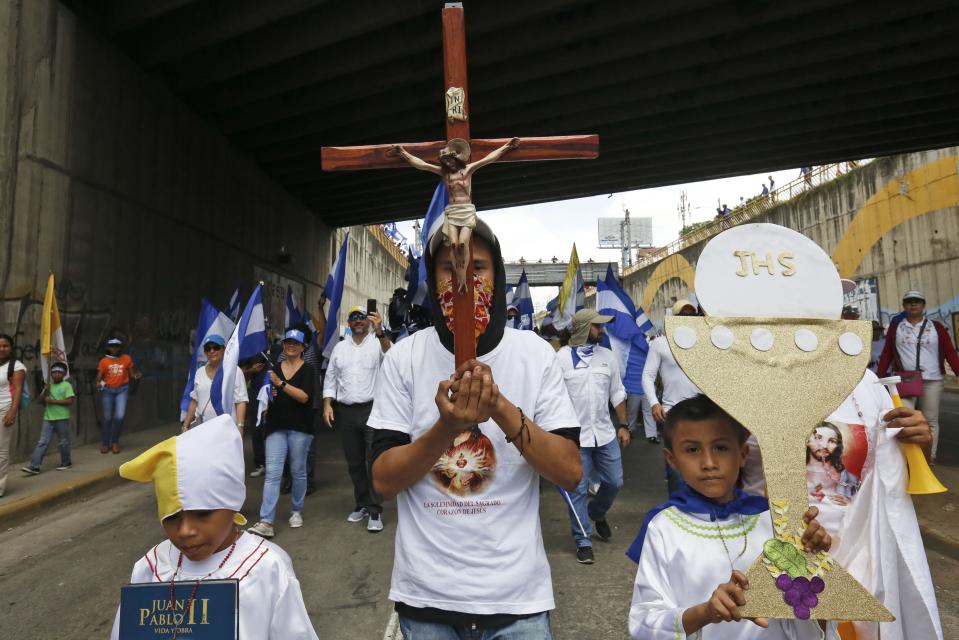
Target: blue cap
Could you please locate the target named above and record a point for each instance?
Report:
(294, 334)
(215, 339)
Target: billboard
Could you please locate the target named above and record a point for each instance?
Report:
(610, 235)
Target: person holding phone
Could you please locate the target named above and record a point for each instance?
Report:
(348, 399)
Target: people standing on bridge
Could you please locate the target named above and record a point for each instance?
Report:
(917, 343)
(201, 406)
(13, 376)
(463, 453)
(676, 385)
(765, 191)
(593, 380)
(347, 402)
(289, 432)
(114, 373)
(57, 398)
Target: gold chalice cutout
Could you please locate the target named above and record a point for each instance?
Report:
(781, 377)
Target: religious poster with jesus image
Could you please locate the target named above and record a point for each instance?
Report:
(467, 467)
(835, 455)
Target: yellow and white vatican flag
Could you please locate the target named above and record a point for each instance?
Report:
(572, 294)
(52, 347)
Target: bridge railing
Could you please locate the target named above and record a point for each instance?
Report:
(790, 191)
(377, 232)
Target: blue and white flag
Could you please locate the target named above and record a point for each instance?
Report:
(292, 314)
(419, 295)
(523, 301)
(211, 321)
(233, 308)
(626, 331)
(247, 340)
(334, 293)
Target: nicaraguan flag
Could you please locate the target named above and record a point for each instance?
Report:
(431, 224)
(211, 322)
(247, 340)
(292, 314)
(523, 301)
(233, 308)
(334, 293)
(572, 295)
(626, 331)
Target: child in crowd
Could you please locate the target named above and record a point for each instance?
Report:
(198, 479)
(693, 551)
(58, 397)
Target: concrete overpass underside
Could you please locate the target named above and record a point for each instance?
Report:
(678, 91)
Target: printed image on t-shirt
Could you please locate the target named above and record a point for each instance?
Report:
(468, 465)
(835, 454)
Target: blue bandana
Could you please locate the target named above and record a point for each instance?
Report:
(582, 355)
(685, 499)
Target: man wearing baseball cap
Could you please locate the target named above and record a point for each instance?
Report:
(593, 380)
(915, 342)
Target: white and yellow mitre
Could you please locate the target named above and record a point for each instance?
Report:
(201, 469)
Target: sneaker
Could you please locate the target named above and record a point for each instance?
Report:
(259, 471)
(375, 525)
(584, 555)
(652, 440)
(296, 520)
(104, 449)
(357, 515)
(65, 467)
(116, 448)
(30, 470)
(603, 532)
(262, 529)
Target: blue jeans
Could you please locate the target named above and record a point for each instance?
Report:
(62, 427)
(114, 410)
(532, 628)
(278, 444)
(607, 462)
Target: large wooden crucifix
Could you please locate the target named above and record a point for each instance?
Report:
(458, 143)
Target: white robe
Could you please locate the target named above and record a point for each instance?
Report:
(879, 542)
(271, 604)
(683, 561)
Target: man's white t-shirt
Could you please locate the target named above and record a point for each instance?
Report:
(468, 536)
(676, 384)
(5, 383)
(201, 393)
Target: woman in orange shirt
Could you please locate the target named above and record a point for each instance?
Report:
(113, 380)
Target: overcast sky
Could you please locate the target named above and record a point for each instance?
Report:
(549, 229)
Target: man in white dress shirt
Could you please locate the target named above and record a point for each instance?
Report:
(593, 381)
(676, 385)
(347, 401)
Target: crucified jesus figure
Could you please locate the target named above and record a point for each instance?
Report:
(460, 214)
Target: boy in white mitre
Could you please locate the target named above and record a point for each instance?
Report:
(693, 550)
(198, 479)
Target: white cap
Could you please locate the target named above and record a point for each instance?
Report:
(913, 293)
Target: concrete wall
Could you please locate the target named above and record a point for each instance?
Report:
(895, 220)
(139, 209)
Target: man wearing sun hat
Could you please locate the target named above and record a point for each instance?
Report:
(593, 381)
(348, 400)
(915, 342)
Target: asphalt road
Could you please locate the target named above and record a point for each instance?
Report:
(949, 430)
(60, 573)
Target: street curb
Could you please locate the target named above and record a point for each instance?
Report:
(942, 538)
(18, 508)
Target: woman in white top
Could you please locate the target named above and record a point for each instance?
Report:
(12, 378)
(201, 405)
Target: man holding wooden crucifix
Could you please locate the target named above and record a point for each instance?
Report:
(462, 449)
(459, 216)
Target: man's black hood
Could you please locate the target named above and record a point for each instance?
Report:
(497, 320)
